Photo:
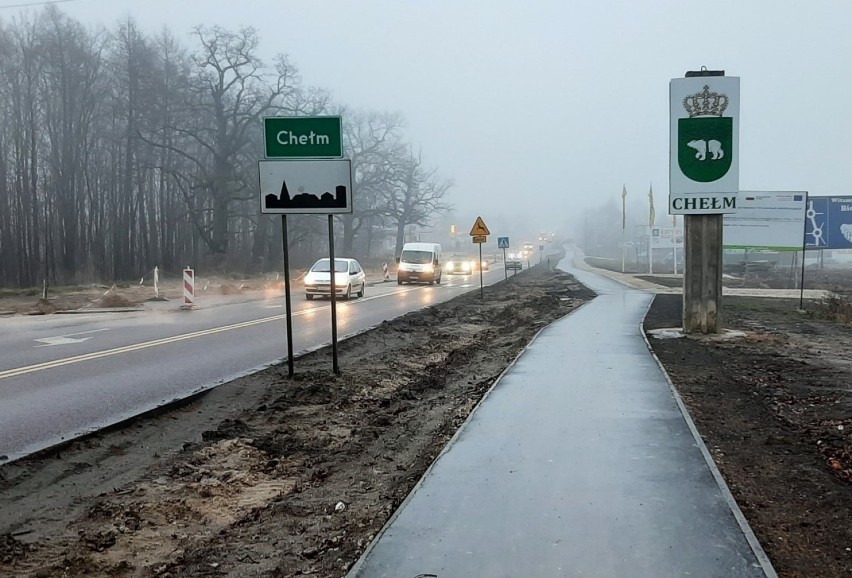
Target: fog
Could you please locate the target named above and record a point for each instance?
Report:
(541, 110)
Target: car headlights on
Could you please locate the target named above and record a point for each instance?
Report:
(429, 268)
(451, 265)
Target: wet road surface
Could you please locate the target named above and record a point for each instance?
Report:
(578, 463)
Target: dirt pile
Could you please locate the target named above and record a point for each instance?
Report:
(268, 475)
(113, 300)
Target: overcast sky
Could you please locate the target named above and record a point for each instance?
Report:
(538, 109)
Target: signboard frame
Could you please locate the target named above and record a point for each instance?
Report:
(306, 125)
(708, 109)
(314, 177)
(775, 217)
(831, 218)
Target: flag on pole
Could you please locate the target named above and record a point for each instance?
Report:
(652, 215)
(623, 207)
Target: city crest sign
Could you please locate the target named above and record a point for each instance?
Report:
(704, 146)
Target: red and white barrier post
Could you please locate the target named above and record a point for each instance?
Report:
(188, 289)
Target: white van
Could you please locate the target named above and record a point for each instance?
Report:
(420, 263)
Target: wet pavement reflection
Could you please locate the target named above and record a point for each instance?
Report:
(578, 463)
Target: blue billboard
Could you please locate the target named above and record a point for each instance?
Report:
(828, 223)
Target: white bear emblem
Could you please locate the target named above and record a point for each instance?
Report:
(701, 147)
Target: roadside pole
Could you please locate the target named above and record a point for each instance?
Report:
(479, 235)
(804, 249)
(335, 366)
(287, 302)
(505, 270)
(481, 290)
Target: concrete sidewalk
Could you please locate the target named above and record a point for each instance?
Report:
(634, 280)
(579, 462)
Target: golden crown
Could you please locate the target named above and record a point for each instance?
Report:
(705, 103)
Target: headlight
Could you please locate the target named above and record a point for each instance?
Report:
(466, 266)
(429, 268)
(340, 283)
(451, 265)
(309, 280)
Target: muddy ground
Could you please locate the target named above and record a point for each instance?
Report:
(267, 475)
(271, 476)
(775, 409)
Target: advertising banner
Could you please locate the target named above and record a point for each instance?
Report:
(773, 220)
(828, 223)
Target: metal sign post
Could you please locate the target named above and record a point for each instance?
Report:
(334, 364)
(287, 303)
(480, 233)
(481, 291)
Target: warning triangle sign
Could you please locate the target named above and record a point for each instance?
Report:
(479, 228)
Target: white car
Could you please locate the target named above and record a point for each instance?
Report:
(349, 278)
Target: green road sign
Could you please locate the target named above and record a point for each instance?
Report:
(303, 137)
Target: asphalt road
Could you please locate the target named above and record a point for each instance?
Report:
(62, 376)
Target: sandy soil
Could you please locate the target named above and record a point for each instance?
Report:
(270, 476)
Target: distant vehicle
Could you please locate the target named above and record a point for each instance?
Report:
(349, 277)
(514, 261)
(459, 264)
(483, 265)
(420, 263)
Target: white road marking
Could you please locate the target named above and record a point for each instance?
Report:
(67, 338)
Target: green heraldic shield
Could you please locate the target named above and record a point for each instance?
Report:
(705, 147)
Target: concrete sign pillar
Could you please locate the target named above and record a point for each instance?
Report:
(702, 277)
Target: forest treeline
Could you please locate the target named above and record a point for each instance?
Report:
(121, 150)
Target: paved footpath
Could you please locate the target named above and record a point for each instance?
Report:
(579, 462)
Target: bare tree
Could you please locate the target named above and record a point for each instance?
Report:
(415, 197)
(373, 141)
(229, 93)
(120, 151)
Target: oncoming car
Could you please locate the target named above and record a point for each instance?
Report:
(483, 265)
(349, 278)
(514, 261)
(459, 265)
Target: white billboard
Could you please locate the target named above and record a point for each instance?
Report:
(666, 238)
(772, 220)
(704, 144)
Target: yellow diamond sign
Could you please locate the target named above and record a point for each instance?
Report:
(479, 228)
